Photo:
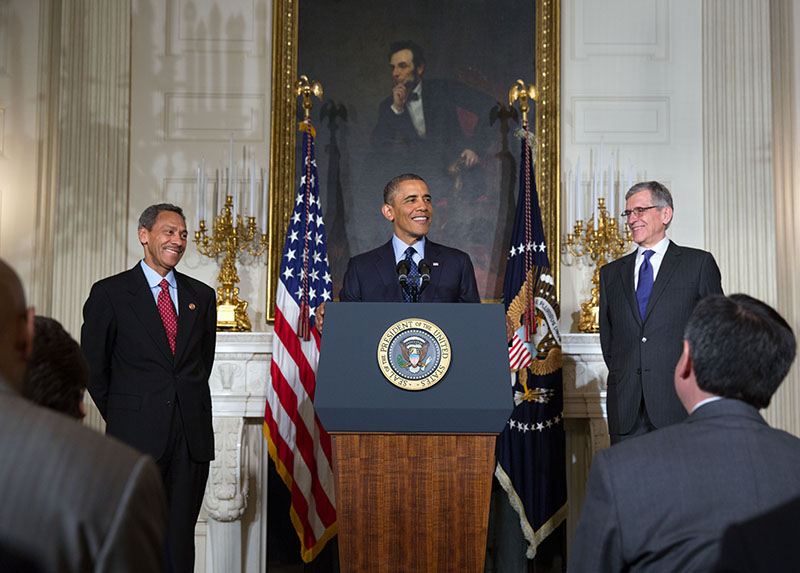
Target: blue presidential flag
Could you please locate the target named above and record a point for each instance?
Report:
(531, 465)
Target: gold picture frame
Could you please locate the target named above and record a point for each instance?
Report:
(284, 129)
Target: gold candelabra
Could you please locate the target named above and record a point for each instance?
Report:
(231, 236)
(600, 244)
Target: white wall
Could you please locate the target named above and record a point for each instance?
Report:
(201, 72)
(631, 74)
(19, 61)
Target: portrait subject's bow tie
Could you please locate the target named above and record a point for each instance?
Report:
(413, 96)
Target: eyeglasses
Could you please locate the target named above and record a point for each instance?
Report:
(639, 211)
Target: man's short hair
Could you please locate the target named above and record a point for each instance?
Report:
(418, 58)
(149, 215)
(57, 372)
(740, 347)
(659, 192)
(391, 187)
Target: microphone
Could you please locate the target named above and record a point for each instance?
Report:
(425, 273)
(403, 269)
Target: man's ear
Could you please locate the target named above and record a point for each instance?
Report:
(420, 69)
(30, 329)
(143, 235)
(387, 211)
(667, 215)
(685, 365)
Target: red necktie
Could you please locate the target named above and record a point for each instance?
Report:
(168, 315)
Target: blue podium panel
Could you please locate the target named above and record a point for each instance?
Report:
(354, 395)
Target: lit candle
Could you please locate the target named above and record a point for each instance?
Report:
(264, 203)
(220, 193)
(569, 195)
(578, 197)
(252, 212)
(630, 176)
(203, 188)
(197, 205)
(235, 191)
(593, 198)
(230, 164)
(612, 192)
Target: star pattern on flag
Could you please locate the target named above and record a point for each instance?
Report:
(525, 427)
(307, 230)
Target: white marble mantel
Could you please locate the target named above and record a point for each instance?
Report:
(233, 524)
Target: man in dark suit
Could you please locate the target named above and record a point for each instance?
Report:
(373, 276)
(439, 128)
(149, 336)
(662, 501)
(72, 499)
(646, 298)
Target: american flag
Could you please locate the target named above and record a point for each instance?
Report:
(298, 444)
(531, 463)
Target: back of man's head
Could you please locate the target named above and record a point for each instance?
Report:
(740, 347)
(16, 327)
(57, 372)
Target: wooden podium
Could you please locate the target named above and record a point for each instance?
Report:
(413, 469)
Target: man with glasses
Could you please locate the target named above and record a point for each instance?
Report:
(646, 298)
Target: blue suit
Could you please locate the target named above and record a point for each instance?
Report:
(372, 276)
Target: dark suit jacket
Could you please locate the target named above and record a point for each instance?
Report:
(448, 107)
(73, 499)
(767, 543)
(662, 501)
(134, 378)
(372, 276)
(641, 354)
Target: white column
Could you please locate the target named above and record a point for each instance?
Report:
(737, 138)
(785, 27)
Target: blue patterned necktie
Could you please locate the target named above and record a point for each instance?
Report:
(413, 275)
(645, 282)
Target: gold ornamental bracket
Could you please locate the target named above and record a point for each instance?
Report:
(522, 93)
(599, 242)
(306, 88)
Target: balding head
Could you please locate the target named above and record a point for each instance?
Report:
(16, 327)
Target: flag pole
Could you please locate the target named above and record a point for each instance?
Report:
(305, 88)
(522, 93)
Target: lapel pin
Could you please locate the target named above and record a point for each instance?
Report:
(191, 306)
(435, 263)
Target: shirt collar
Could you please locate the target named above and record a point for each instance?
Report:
(154, 279)
(704, 402)
(400, 248)
(660, 247)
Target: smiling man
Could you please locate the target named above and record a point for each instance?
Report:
(646, 298)
(149, 335)
(373, 276)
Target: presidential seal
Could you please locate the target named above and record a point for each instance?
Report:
(414, 354)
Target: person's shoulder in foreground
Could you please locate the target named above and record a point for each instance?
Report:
(663, 500)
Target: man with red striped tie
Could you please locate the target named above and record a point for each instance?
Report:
(149, 335)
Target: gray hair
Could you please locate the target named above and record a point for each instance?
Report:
(659, 192)
(149, 215)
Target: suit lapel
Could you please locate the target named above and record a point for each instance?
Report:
(665, 272)
(387, 271)
(145, 309)
(187, 313)
(626, 269)
(432, 255)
